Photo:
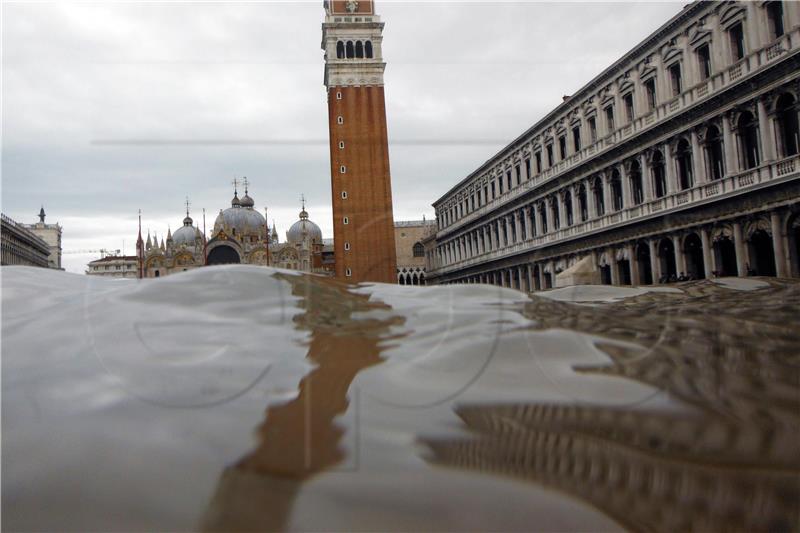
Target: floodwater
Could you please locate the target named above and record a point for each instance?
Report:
(244, 398)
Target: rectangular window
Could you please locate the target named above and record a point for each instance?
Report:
(345, 221)
(775, 15)
(628, 100)
(610, 118)
(347, 246)
(348, 272)
(704, 61)
(338, 95)
(675, 78)
(485, 193)
(562, 147)
(518, 171)
(342, 169)
(528, 169)
(508, 179)
(549, 155)
(650, 91)
(538, 157)
(576, 137)
(592, 129)
(500, 184)
(494, 194)
(736, 34)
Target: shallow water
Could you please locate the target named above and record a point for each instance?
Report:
(243, 398)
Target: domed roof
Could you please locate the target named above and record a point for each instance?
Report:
(247, 201)
(185, 234)
(245, 220)
(304, 229)
(236, 202)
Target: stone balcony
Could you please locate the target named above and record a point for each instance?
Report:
(709, 191)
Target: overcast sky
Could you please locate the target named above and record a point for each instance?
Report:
(212, 91)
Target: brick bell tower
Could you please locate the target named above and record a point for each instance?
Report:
(363, 225)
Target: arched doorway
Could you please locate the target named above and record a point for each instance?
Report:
(401, 279)
(762, 255)
(624, 271)
(223, 255)
(666, 257)
(605, 274)
(725, 253)
(536, 283)
(693, 248)
(644, 264)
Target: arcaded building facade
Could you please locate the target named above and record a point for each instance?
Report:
(361, 190)
(680, 158)
(409, 236)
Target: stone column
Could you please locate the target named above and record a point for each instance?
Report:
(562, 210)
(541, 277)
(633, 264)
(741, 253)
(521, 279)
(607, 199)
(576, 205)
(698, 169)
(680, 260)
(669, 167)
(708, 266)
(529, 277)
(548, 213)
(517, 226)
(627, 193)
(655, 263)
(647, 180)
(502, 278)
(612, 262)
(778, 244)
(590, 199)
(729, 145)
(765, 132)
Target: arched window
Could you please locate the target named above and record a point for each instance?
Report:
(637, 190)
(568, 208)
(599, 197)
(350, 50)
(583, 202)
(419, 250)
(368, 49)
(788, 131)
(616, 190)
(554, 208)
(714, 153)
(340, 50)
(359, 49)
(659, 174)
(402, 279)
(683, 159)
(543, 217)
(747, 130)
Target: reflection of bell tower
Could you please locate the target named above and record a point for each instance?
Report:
(363, 226)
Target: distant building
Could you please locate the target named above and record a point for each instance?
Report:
(51, 234)
(410, 250)
(240, 235)
(680, 159)
(20, 246)
(115, 266)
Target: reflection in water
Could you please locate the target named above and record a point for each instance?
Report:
(299, 439)
(733, 463)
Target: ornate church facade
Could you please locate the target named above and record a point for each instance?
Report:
(680, 160)
(240, 235)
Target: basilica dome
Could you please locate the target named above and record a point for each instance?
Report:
(241, 217)
(186, 234)
(304, 229)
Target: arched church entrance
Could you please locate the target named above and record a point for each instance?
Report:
(223, 255)
(762, 255)
(666, 257)
(644, 264)
(693, 248)
(725, 253)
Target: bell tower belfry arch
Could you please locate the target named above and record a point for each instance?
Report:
(363, 224)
